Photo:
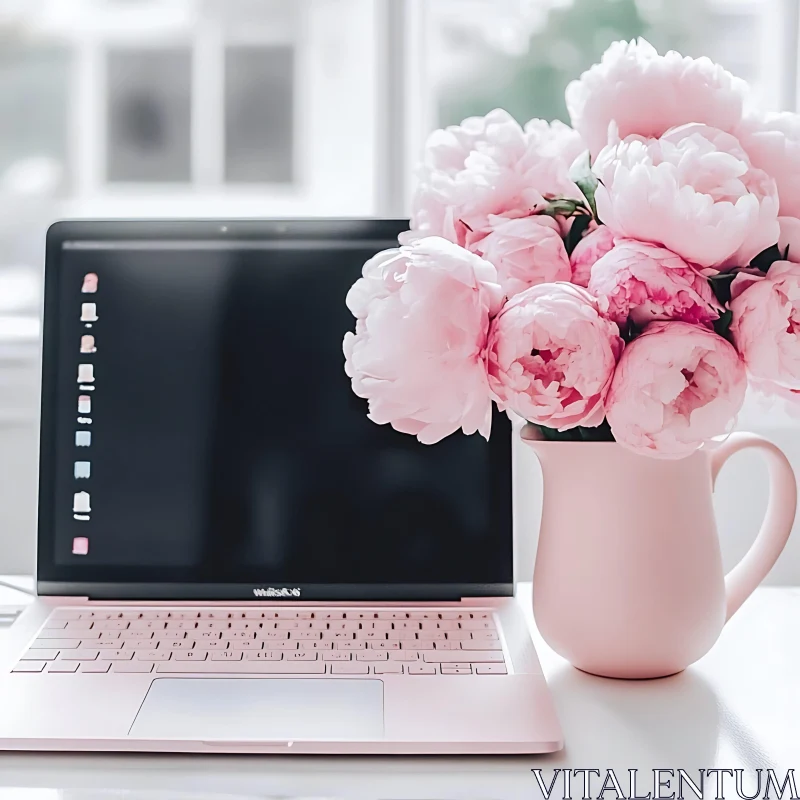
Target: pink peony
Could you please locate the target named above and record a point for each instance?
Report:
(789, 242)
(490, 166)
(766, 324)
(418, 353)
(646, 282)
(692, 191)
(676, 386)
(551, 356)
(647, 94)
(592, 247)
(772, 141)
(526, 251)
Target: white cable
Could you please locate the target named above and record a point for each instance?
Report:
(17, 588)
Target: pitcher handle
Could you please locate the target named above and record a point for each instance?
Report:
(743, 579)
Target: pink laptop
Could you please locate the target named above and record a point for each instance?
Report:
(231, 556)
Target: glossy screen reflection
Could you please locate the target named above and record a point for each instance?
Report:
(225, 443)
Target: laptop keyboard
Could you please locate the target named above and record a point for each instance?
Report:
(267, 642)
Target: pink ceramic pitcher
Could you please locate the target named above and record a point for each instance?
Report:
(628, 580)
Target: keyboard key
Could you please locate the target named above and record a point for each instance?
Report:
(349, 668)
(301, 655)
(420, 669)
(293, 625)
(110, 625)
(305, 635)
(148, 624)
(330, 615)
(372, 655)
(55, 624)
(371, 636)
(406, 626)
(384, 645)
(491, 669)
(267, 635)
(63, 666)
(392, 615)
(448, 670)
(68, 634)
(138, 635)
(29, 666)
(246, 644)
(205, 635)
(116, 655)
(472, 645)
(258, 667)
(155, 655)
(416, 645)
(336, 655)
(40, 655)
(403, 655)
(192, 655)
(339, 645)
(107, 636)
(457, 665)
(95, 666)
(226, 655)
(428, 615)
(309, 645)
(460, 657)
(280, 645)
(344, 626)
(338, 636)
(80, 625)
(361, 615)
(458, 636)
(181, 625)
(213, 644)
(172, 636)
(177, 644)
(133, 666)
(55, 644)
(80, 654)
(447, 645)
(476, 625)
(264, 655)
(401, 636)
(389, 668)
(105, 645)
(431, 636)
(485, 636)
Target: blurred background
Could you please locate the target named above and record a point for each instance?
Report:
(257, 108)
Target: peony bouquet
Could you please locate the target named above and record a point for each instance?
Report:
(617, 280)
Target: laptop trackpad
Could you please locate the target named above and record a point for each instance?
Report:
(261, 709)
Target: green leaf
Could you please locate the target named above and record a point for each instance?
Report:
(562, 207)
(580, 173)
(766, 258)
(602, 433)
(580, 224)
(723, 324)
(721, 286)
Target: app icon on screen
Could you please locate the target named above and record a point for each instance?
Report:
(83, 469)
(89, 312)
(83, 438)
(89, 283)
(85, 373)
(87, 344)
(80, 503)
(84, 404)
(80, 546)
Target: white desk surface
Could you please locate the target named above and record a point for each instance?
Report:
(736, 708)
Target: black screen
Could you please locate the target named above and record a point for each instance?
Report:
(204, 431)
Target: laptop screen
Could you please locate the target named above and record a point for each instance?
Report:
(200, 437)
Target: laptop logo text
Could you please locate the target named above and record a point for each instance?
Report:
(271, 592)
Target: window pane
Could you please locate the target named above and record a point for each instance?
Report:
(259, 103)
(521, 55)
(149, 115)
(33, 103)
